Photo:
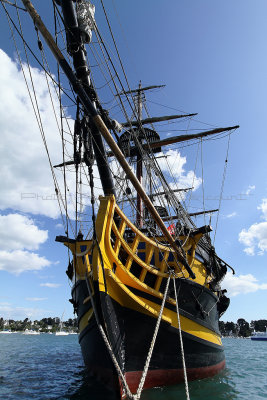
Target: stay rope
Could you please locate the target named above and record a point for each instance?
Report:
(222, 187)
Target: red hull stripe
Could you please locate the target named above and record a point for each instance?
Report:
(166, 377)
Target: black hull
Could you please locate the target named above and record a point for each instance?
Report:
(130, 333)
(96, 357)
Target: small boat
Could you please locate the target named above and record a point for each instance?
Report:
(146, 280)
(256, 336)
(61, 333)
(30, 332)
(6, 331)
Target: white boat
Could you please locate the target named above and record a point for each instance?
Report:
(259, 335)
(62, 333)
(31, 332)
(6, 331)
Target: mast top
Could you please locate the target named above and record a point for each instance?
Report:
(141, 89)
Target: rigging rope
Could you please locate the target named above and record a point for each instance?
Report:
(143, 378)
(222, 187)
(35, 106)
(117, 51)
(146, 159)
(181, 341)
(31, 51)
(14, 5)
(202, 184)
(62, 137)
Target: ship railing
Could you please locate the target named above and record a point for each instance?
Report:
(137, 260)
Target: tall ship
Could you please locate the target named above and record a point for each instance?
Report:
(146, 279)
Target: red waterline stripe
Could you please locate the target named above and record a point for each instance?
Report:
(166, 377)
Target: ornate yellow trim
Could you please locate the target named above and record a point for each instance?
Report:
(120, 260)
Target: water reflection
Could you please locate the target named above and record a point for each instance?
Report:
(84, 387)
(220, 387)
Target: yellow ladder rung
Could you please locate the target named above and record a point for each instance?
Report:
(158, 283)
(149, 254)
(143, 275)
(128, 263)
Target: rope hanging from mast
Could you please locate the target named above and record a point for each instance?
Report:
(222, 186)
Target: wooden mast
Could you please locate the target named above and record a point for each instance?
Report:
(190, 214)
(168, 141)
(156, 119)
(177, 139)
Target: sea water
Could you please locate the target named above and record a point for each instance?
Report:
(51, 367)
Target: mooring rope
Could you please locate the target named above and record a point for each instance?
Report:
(143, 378)
(106, 341)
(130, 395)
(181, 341)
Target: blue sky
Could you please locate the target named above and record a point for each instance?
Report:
(212, 58)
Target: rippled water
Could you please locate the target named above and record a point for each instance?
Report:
(51, 367)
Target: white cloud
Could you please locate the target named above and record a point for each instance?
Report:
(20, 313)
(250, 189)
(255, 237)
(36, 298)
(232, 215)
(263, 208)
(26, 181)
(18, 235)
(19, 232)
(59, 226)
(19, 261)
(174, 166)
(242, 284)
(51, 285)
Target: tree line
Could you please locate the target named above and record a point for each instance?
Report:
(43, 325)
(242, 328)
